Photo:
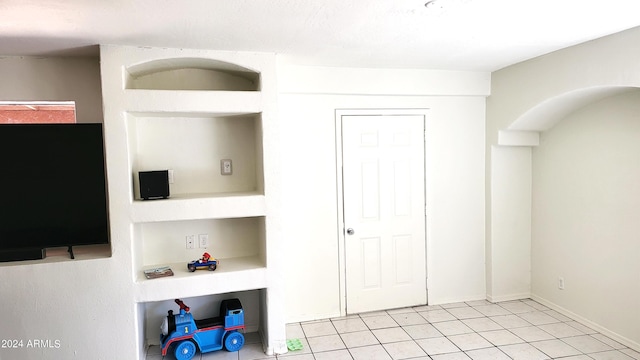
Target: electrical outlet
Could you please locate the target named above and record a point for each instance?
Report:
(191, 242)
(203, 240)
(226, 167)
(561, 283)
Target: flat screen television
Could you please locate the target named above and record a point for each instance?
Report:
(52, 188)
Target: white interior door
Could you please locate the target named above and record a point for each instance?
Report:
(384, 211)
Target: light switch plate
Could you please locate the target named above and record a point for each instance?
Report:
(203, 240)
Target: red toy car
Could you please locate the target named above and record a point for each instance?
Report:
(205, 262)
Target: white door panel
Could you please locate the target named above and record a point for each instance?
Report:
(383, 199)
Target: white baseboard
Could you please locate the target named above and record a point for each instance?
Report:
(510, 297)
(604, 331)
(441, 301)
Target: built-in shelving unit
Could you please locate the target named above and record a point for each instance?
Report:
(185, 111)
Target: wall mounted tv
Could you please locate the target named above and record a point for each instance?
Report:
(52, 189)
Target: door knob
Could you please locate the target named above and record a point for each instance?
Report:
(350, 231)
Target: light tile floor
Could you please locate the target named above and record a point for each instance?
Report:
(519, 330)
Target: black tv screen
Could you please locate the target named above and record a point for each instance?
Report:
(52, 187)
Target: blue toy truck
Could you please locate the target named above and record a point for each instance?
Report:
(186, 336)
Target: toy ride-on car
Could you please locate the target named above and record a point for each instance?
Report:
(184, 336)
(206, 262)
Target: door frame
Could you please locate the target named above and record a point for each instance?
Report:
(339, 113)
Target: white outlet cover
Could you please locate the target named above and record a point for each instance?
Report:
(190, 242)
(226, 167)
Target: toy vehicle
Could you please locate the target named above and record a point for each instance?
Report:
(205, 262)
(185, 336)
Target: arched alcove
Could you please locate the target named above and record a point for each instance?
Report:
(191, 74)
(524, 130)
(529, 103)
(547, 113)
(561, 206)
(511, 181)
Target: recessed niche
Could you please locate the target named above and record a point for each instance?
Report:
(201, 307)
(191, 74)
(192, 148)
(163, 243)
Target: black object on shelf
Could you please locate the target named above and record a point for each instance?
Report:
(154, 184)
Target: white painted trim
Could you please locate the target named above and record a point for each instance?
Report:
(339, 113)
(453, 300)
(342, 270)
(604, 331)
(518, 138)
(509, 297)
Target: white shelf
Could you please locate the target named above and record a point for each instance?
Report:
(199, 206)
(233, 274)
(172, 102)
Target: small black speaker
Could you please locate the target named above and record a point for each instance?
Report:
(154, 184)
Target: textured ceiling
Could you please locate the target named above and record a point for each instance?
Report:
(482, 35)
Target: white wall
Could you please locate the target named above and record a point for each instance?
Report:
(455, 177)
(509, 248)
(586, 202)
